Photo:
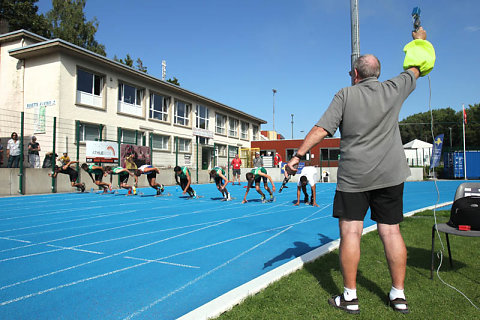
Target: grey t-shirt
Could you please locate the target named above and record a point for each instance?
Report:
(371, 150)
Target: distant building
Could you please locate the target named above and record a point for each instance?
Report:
(96, 98)
(418, 152)
(325, 154)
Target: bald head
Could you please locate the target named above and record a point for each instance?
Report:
(367, 66)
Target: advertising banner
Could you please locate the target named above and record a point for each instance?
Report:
(133, 156)
(101, 151)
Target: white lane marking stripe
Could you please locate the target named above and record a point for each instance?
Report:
(74, 249)
(163, 262)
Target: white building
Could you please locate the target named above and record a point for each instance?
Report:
(418, 152)
(99, 98)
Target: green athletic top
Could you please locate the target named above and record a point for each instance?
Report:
(183, 174)
(117, 169)
(219, 170)
(91, 170)
(257, 170)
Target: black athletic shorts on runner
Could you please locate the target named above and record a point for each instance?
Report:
(259, 177)
(98, 176)
(386, 205)
(124, 177)
(219, 180)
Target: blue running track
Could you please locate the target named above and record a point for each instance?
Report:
(94, 256)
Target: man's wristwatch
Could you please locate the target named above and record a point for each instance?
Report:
(296, 155)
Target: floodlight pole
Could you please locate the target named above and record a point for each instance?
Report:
(355, 36)
(274, 91)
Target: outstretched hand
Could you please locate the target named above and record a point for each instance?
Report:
(419, 34)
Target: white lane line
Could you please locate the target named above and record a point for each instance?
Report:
(164, 262)
(100, 259)
(145, 308)
(69, 221)
(17, 240)
(74, 249)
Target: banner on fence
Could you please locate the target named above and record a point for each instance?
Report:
(102, 151)
(133, 156)
(437, 150)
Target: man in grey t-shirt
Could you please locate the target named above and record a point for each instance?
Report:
(372, 168)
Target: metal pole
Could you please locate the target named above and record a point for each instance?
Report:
(464, 144)
(197, 159)
(77, 141)
(274, 91)
(176, 151)
(53, 152)
(150, 142)
(292, 125)
(20, 175)
(355, 35)
(450, 128)
(228, 162)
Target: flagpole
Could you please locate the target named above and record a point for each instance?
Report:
(464, 152)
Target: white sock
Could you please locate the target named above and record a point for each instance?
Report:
(397, 293)
(349, 294)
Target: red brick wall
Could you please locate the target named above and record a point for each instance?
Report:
(281, 146)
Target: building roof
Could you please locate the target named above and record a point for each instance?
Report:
(417, 144)
(45, 46)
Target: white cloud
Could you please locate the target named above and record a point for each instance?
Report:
(472, 28)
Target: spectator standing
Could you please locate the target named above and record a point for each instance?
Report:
(1, 153)
(33, 155)
(277, 160)
(13, 151)
(236, 164)
(257, 161)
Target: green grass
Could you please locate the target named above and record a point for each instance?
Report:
(304, 294)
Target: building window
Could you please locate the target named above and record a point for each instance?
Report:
(221, 150)
(159, 107)
(203, 140)
(128, 136)
(291, 152)
(202, 117)
(89, 132)
(130, 99)
(183, 145)
(182, 113)
(160, 142)
(244, 130)
(233, 127)
(89, 88)
(220, 122)
(330, 154)
(254, 132)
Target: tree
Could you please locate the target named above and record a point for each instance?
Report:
(174, 81)
(129, 62)
(22, 14)
(446, 121)
(67, 21)
(140, 66)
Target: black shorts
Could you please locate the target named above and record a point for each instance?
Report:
(151, 175)
(98, 177)
(259, 177)
(218, 180)
(73, 175)
(236, 172)
(124, 177)
(386, 205)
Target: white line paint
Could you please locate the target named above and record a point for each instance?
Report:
(99, 259)
(235, 296)
(145, 308)
(74, 249)
(164, 262)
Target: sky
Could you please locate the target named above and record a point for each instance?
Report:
(236, 51)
